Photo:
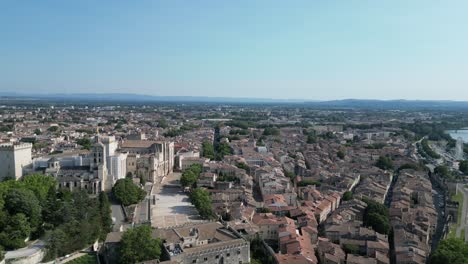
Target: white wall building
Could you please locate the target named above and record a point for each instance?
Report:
(14, 159)
(117, 165)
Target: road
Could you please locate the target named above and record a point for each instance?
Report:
(25, 252)
(118, 217)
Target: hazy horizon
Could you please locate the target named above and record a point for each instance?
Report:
(299, 50)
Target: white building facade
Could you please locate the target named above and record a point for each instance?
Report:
(14, 160)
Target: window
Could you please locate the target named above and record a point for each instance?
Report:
(205, 259)
(228, 254)
(194, 261)
(217, 257)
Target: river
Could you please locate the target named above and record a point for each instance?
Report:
(461, 133)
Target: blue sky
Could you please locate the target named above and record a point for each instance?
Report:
(270, 49)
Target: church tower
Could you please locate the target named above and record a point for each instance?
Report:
(98, 165)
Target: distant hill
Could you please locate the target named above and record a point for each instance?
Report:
(337, 104)
(124, 97)
(392, 104)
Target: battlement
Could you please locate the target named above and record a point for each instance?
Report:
(15, 146)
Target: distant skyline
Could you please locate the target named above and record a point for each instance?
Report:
(312, 50)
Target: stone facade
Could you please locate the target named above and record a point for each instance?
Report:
(210, 243)
(14, 159)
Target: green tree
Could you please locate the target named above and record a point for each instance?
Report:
(39, 184)
(53, 128)
(271, 131)
(54, 244)
(443, 171)
(452, 250)
(376, 216)
(243, 166)
(347, 196)
(127, 192)
(410, 166)
(138, 245)
(190, 176)
(384, 163)
(201, 199)
(173, 133)
(17, 230)
(311, 139)
(84, 142)
(142, 180)
(428, 150)
(340, 154)
(208, 150)
(351, 249)
(162, 123)
(263, 210)
(463, 166)
(2, 253)
(308, 182)
(105, 213)
(23, 201)
(222, 149)
(37, 131)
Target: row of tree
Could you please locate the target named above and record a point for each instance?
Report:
(201, 199)
(376, 216)
(190, 176)
(208, 150)
(428, 150)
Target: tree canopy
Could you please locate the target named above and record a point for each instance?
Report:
(222, 149)
(271, 131)
(384, 163)
(127, 192)
(452, 250)
(138, 245)
(463, 166)
(347, 196)
(190, 176)
(340, 154)
(208, 150)
(428, 150)
(201, 199)
(21, 209)
(34, 208)
(376, 216)
(84, 142)
(443, 171)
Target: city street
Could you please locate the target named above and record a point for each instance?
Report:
(118, 217)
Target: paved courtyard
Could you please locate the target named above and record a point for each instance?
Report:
(172, 206)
